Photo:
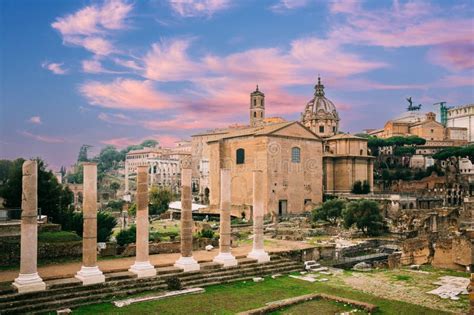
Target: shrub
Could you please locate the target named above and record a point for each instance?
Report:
(365, 215)
(206, 233)
(360, 188)
(330, 211)
(57, 237)
(127, 236)
(105, 224)
(174, 284)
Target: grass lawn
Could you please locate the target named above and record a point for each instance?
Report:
(324, 307)
(241, 296)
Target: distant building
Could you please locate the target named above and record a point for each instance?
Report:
(163, 163)
(462, 117)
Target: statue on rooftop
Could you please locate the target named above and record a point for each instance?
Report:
(411, 107)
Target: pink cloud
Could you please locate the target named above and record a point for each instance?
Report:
(126, 94)
(42, 138)
(166, 141)
(193, 8)
(94, 19)
(344, 6)
(456, 80)
(35, 120)
(402, 25)
(168, 61)
(56, 68)
(120, 119)
(457, 56)
(284, 5)
(88, 26)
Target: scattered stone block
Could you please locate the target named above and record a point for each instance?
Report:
(414, 267)
(276, 275)
(319, 269)
(257, 279)
(126, 302)
(450, 287)
(209, 247)
(362, 266)
(64, 311)
(307, 278)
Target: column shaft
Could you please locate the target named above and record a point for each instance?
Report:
(142, 266)
(186, 214)
(258, 251)
(225, 256)
(186, 261)
(28, 279)
(90, 273)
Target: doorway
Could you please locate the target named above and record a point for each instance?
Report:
(282, 207)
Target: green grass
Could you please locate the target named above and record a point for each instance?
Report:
(402, 278)
(324, 307)
(241, 296)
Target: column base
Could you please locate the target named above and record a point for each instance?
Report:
(260, 255)
(226, 259)
(90, 275)
(187, 264)
(143, 269)
(29, 282)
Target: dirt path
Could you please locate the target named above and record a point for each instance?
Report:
(65, 270)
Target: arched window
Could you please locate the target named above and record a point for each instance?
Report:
(255, 114)
(240, 156)
(295, 155)
(254, 102)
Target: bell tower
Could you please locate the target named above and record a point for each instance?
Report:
(257, 108)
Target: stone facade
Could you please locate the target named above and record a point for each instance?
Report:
(290, 157)
(346, 160)
(462, 117)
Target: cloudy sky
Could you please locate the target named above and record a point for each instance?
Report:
(119, 71)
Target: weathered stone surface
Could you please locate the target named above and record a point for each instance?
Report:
(186, 261)
(28, 280)
(258, 251)
(142, 266)
(90, 273)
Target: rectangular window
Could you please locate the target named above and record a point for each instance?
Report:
(321, 128)
(295, 155)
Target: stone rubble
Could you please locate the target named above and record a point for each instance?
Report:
(450, 287)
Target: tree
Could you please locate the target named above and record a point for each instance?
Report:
(150, 143)
(105, 225)
(82, 157)
(54, 200)
(365, 215)
(330, 210)
(357, 187)
(160, 199)
(114, 186)
(108, 159)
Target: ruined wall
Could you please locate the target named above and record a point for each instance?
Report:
(415, 251)
(453, 253)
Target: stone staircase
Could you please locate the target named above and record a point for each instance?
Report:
(69, 293)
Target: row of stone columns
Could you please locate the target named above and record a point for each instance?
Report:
(29, 280)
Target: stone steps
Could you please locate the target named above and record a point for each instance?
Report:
(64, 293)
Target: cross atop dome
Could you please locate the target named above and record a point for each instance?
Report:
(319, 88)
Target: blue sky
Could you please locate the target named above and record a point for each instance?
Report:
(117, 72)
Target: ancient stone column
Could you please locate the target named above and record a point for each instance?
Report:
(142, 267)
(90, 272)
(186, 261)
(225, 256)
(258, 252)
(28, 280)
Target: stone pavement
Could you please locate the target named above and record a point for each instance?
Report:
(63, 270)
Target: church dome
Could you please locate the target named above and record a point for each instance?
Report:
(320, 106)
